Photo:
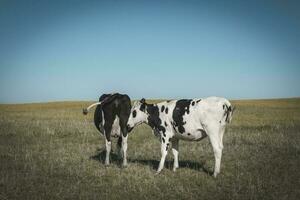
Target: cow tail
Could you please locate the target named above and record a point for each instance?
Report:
(228, 111)
(107, 99)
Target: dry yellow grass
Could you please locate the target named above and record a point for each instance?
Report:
(52, 151)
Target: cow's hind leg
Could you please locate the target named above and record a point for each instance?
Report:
(108, 149)
(107, 130)
(175, 150)
(221, 134)
(124, 137)
(119, 146)
(215, 140)
(124, 150)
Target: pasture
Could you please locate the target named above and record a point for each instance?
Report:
(52, 151)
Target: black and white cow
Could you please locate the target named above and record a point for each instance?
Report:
(187, 119)
(110, 117)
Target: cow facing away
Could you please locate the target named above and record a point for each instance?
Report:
(110, 118)
(186, 119)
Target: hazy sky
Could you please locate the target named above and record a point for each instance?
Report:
(77, 50)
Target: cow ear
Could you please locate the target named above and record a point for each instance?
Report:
(143, 107)
(143, 101)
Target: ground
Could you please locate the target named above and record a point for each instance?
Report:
(52, 151)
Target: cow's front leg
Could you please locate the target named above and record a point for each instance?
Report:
(175, 149)
(164, 151)
(108, 149)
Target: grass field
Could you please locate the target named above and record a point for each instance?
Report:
(52, 151)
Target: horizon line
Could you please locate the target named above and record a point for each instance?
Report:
(151, 99)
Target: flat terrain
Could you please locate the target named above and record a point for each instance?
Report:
(52, 151)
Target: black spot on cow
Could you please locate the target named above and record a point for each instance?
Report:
(153, 119)
(173, 125)
(187, 111)
(167, 109)
(134, 114)
(193, 103)
(163, 140)
(164, 134)
(198, 101)
(169, 139)
(162, 108)
(167, 146)
(181, 129)
(227, 111)
(181, 107)
(188, 134)
(166, 124)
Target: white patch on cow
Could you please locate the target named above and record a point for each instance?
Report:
(115, 130)
(101, 125)
(139, 118)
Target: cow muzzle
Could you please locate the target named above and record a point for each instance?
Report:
(129, 128)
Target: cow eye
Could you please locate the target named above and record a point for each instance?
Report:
(134, 113)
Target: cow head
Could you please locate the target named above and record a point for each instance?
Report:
(138, 114)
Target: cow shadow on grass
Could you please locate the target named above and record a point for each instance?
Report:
(116, 159)
(101, 155)
(169, 164)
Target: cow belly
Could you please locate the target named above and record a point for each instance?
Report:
(194, 135)
(115, 131)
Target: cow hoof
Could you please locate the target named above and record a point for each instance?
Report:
(175, 168)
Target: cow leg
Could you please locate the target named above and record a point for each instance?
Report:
(175, 150)
(123, 125)
(107, 130)
(119, 146)
(124, 150)
(215, 141)
(108, 149)
(221, 134)
(164, 151)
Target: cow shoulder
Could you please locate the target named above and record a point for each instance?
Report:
(182, 107)
(154, 121)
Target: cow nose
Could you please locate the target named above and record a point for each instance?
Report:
(129, 128)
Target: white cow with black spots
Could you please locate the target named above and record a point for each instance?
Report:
(186, 119)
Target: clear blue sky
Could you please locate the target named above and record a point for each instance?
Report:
(77, 50)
